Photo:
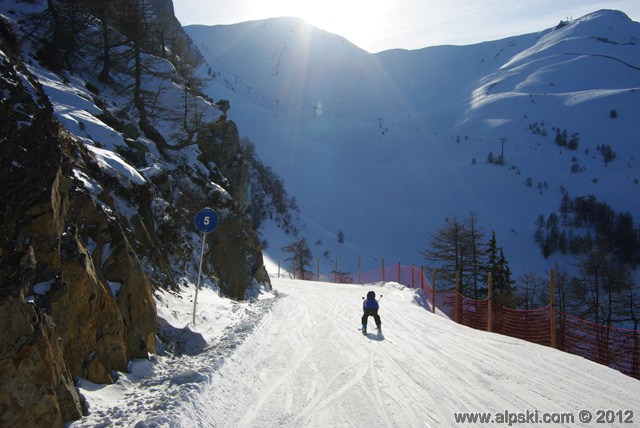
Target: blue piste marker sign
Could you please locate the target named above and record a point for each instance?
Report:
(206, 220)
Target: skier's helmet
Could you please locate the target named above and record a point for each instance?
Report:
(371, 295)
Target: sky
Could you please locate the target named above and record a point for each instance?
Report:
(377, 25)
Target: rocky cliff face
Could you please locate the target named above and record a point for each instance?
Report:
(220, 143)
(59, 308)
(82, 247)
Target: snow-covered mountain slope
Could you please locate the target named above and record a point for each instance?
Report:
(304, 363)
(385, 146)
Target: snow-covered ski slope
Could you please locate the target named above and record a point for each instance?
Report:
(305, 364)
(308, 365)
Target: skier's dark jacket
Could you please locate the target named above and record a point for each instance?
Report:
(370, 303)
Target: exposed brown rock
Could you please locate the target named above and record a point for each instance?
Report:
(77, 275)
(36, 385)
(53, 232)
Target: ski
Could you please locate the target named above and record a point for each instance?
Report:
(364, 331)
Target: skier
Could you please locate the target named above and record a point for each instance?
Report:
(370, 307)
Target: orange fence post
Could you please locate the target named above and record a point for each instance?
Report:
(552, 309)
(383, 269)
(457, 299)
(635, 368)
(398, 272)
(433, 291)
(412, 284)
(489, 303)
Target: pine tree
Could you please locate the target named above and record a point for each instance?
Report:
(477, 255)
(497, 264)
(505, 290)
(531, 286)
(492, 253)
(603, 286)
(224, 106)
(565, 208)
(457, 247)
(300, 259)
(446, 248)
(630, 302)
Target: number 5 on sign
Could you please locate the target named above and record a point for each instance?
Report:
(206, 221)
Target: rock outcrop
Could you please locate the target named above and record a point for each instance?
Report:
(220, 145)
(74, 298)
(36, 384)
(81, 248)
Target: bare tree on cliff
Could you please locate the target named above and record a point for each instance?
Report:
(135, 27)
(57, 28)
(186, 62)
(136, 23)
(105, 12)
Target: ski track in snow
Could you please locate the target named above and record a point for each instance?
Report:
(153, 392)
(303, 363)
(307, 365)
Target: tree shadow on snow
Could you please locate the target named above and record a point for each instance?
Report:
(420, 300)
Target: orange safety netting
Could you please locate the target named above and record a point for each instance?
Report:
(614, 347)
(617, 348)
(531, 325)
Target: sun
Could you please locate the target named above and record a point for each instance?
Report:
(356, 20)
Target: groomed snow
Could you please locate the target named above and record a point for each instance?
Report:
(296, 358)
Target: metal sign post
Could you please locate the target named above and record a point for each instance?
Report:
(206, 221)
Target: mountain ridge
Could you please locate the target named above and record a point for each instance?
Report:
(432, 116)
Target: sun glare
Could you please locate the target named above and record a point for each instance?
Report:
(356, 20)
